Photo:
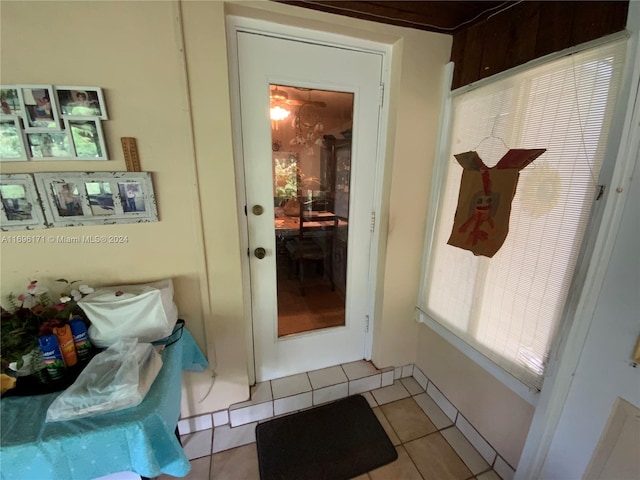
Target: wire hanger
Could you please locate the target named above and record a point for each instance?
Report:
(492, 135)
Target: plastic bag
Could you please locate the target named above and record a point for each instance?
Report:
(115, 379)
(146, 312)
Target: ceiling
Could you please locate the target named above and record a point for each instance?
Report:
(436, 16)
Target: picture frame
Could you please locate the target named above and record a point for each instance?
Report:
(20, 207)
(12, 145)
(39, 106)
(49, 145)
(96, 198)
(48, 122)
(10, 101)
(75, 101)
(87, 136)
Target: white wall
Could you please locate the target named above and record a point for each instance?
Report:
(134, 51)
(164, 70)
(501, 416)
(604, 372)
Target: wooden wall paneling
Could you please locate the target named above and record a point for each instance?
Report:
(530, 30)
(436, 16)
(523, 33)
(472, 54)
(494, 47)
(457, 55)
(554, 27)
(593, 20)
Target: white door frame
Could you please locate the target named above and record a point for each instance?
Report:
(236, 24)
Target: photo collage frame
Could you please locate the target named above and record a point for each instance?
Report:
(47, 122)
(64, 199)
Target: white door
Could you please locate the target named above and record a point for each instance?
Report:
(312, 70)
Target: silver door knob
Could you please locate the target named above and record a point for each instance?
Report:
(260, 252)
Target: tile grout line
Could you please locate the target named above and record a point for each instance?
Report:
(438, 430)
(396, 434)
(454, 425)
(476, 430)
(213, 431)
(271, 390)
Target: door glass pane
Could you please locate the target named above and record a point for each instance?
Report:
(311, 152)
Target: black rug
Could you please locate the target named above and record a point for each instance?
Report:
(336, 441)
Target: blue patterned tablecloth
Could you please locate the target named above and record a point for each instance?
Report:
(139, 439)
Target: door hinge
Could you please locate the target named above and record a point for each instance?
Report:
(381, 102)
(601, 189)
(373, 221)
(248, 252)
(245, 210)
(366, 324)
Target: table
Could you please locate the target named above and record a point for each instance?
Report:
(139, 439)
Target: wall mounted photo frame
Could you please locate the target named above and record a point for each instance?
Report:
(12, 146)
(81, 102)
(20, 207)
(96, 198)
(87, 136)
(40, 107)
(10, 100)
(53, 122)
(49, 145)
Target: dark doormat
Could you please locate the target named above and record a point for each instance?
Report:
(336, 441)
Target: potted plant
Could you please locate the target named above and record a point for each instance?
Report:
(291, 185)
(33, 314)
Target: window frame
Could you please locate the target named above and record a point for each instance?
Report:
(589, 259)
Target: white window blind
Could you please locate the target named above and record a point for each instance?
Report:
(508, 307)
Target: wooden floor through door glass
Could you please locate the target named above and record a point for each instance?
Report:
(320, 307)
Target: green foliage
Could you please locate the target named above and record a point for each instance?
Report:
(13, 301)
(18, 335)
(286, 179)
(20, 328)
(289, 179)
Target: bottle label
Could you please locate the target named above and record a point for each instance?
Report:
(52, 356)
(81, 339)
(65, 342)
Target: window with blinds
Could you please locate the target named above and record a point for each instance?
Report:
(509, 307)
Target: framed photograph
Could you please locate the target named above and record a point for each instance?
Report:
(49, 145)
(21, 209)
(43, 122)
(88, 139)
(10, 100)
(81, 102)
(40, 107)
(96, 198)
(11, 140)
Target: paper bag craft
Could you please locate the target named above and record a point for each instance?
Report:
(481, 222)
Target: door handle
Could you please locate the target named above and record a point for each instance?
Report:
(260, 252)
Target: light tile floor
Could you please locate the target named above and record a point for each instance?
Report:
(429, 445)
